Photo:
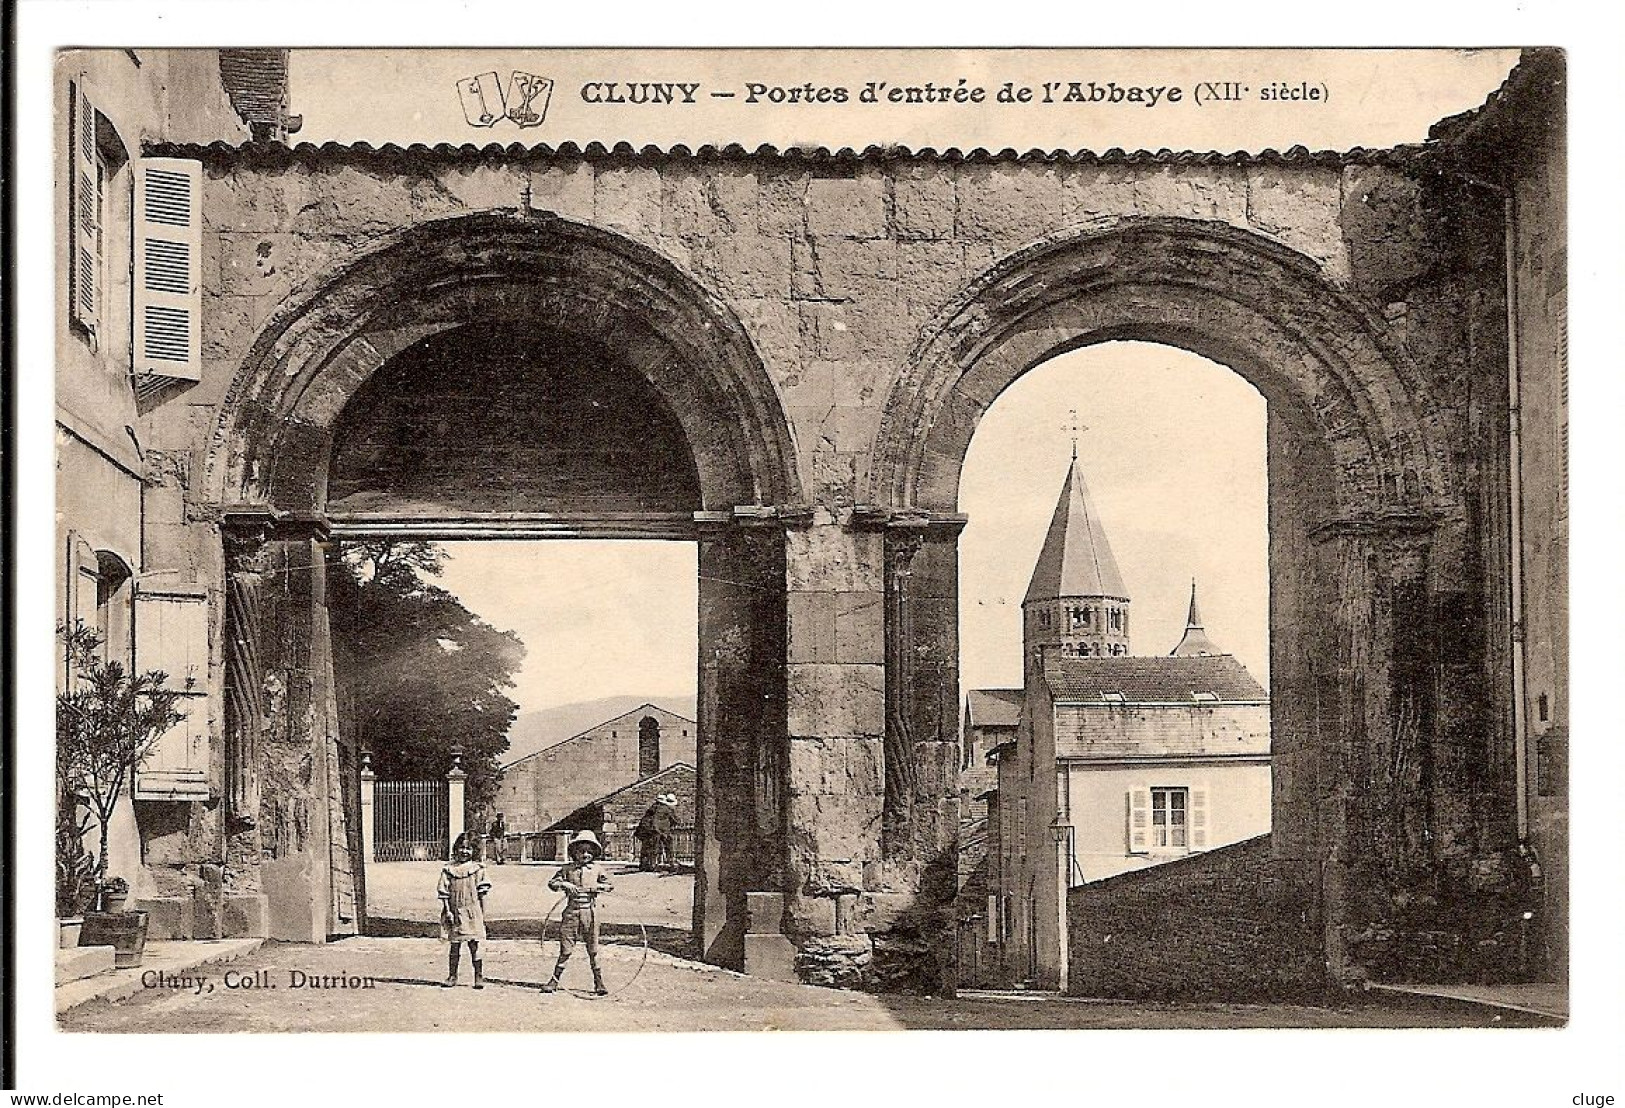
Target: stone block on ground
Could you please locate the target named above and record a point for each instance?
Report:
(83, 961)
(770, 957)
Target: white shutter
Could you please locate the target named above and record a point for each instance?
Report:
(1139, 820)
(80, 585)
(168, 285)
(172, 635)
(85, 200)
(1198, 815)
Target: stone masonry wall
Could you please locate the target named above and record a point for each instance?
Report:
(836, 269)
(1230, 923)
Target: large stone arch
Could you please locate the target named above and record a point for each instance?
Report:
(265, 475)
(1234, 296)
(1377, 664)
(497, 268)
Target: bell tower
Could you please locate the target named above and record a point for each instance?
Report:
(1076, 604)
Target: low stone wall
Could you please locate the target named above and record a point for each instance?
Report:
(1226, 924)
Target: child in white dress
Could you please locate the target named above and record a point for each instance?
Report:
(462, 909)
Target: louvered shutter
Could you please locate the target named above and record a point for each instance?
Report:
(1139, 820)
(1198, 816)
(168, 287)
(85, 200)
(79, 591)
(172, 635)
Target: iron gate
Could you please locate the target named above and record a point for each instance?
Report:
(410, 821)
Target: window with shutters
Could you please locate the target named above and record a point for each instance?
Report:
(1168, 820)
(172, 635)
(86, 185)
(168, 288)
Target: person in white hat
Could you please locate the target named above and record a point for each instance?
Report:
(581, 882)
(664, 824)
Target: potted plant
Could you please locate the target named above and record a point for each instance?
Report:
(75, 868)
(115, 893)
(107, 724)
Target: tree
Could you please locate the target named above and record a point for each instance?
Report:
(107, 724)
(419, 674)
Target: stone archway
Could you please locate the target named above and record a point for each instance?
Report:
(267, 467)
(1378, 664)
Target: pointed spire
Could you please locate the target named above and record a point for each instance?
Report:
(1195, 641)
(1076, 560)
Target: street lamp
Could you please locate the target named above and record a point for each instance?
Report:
(1060, 832)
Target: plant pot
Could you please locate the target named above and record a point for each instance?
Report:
(125, 932)
(114, 902)
(67, 932)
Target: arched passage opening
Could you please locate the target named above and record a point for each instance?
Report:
(601, 394)
(1377, 660)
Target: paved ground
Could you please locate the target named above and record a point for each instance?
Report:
(650, 991)
(401, 902)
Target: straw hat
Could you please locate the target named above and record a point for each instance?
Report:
(590, 839)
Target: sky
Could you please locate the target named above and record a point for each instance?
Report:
(1173, 452)
(597, 617)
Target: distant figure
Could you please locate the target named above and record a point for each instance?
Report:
(581, 882)
(498, 836)
(664, 822)
(648, 839)
(462, 907)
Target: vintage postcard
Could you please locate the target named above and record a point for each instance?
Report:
(596, 540)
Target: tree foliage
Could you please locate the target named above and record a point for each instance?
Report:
(419, 674)
(107, 724)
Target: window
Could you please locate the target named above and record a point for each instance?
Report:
(1168, 819)
(85, 189)
(648, 746)
(1021, 829)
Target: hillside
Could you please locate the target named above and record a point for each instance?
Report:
(533, 731)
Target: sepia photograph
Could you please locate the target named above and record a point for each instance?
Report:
(571, 540)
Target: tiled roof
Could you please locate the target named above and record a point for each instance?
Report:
(993, 707)
(1153, 680)
(257, 83)
(1076, 559)
(279, 153)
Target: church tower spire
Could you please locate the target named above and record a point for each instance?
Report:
(1076, 603)
(1195, 641)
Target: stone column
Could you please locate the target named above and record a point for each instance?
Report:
(1378, 819)
(456, 783)
(243, 912)
(299, 724)
(739, 805)
(907, 913)
(369, 787)
(837, 725)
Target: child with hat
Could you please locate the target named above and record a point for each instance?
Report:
(581, 882)
(462, 908)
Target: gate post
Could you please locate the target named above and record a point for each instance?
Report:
(455, 780)
(369, 786)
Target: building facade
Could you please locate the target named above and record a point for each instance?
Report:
(1118, 762)
(538, 791)
(128, 228)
